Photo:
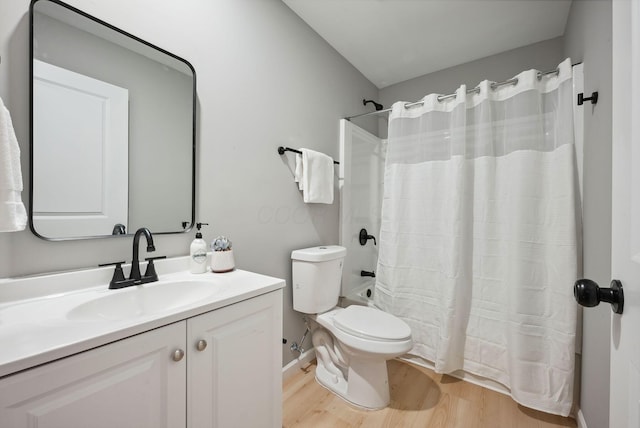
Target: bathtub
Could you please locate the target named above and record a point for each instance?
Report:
(362, 296)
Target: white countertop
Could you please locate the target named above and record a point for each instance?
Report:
(36, 325)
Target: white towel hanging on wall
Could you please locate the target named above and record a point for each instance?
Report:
(316, 177)
(13, 216)
(297, 175)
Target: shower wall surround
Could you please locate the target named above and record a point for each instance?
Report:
(361, 174)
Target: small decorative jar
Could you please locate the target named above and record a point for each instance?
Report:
(222, 256)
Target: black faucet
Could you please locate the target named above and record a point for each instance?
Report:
(119, 229)
(365, 273)
(150, 275)
(135, 262)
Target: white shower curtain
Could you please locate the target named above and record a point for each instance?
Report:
(478, 244)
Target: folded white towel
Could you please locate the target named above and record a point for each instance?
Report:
(13, 216)
(317, 177)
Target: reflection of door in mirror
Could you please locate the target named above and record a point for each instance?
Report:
(156, 161)
(85, 122)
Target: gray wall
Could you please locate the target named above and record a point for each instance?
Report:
(542, 56)
(588, 39)
(264, 79)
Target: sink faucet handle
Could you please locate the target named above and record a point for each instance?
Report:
(118, 273)
(118, 280)
(150, 274)
(111, 264)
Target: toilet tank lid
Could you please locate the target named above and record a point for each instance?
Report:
(322, 253)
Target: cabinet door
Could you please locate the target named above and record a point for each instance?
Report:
(130, 383)
(236, 380)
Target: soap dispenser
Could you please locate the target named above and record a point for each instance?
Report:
(198, 252)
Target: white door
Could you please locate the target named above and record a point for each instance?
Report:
(625, 263)
(80, 153)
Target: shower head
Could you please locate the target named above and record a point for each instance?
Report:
(378, 106)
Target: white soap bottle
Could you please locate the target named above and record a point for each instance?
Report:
(198, 252)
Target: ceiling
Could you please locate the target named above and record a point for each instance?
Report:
(390, 41)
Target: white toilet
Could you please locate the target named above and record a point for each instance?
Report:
(352, 344)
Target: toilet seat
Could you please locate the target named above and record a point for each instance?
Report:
(374, 347)
(370, 323)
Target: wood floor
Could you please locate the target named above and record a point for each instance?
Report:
(419, 398)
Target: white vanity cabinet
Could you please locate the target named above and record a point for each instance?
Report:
(219, 369)
(129, 383)
(235, 365)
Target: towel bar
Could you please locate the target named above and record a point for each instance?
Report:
(281, 151)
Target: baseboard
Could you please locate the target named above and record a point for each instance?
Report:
(580, 420)
(298, 364)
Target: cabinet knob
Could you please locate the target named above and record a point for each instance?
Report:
(201, 345)
(177, 355)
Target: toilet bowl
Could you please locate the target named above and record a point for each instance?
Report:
(352, 344)
(352, 348)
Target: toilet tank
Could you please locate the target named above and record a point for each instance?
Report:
(317, 273)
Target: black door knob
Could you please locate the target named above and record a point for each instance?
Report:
(589, 294)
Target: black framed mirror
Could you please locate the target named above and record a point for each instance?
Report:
(113, 122)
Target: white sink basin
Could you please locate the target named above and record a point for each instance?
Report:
(138, 301)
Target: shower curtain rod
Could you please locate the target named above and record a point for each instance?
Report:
(441, 98)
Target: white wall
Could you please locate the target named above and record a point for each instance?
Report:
(264, 79)
(588, 39)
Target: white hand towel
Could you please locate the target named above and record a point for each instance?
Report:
(317, 177)
(13, 216)
(297, 175)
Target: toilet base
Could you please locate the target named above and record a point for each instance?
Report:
(366, 385)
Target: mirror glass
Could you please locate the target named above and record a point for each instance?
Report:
(112, 126)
